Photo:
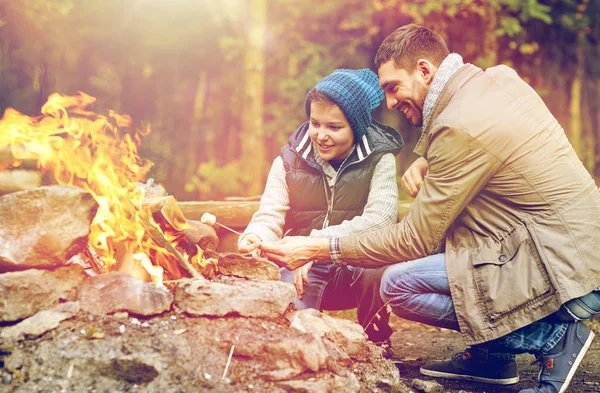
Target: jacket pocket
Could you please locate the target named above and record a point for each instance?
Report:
(510, 275)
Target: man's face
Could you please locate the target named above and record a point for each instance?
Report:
(404, 91)
(330, 131)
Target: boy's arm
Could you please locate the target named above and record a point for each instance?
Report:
(381, 209)
(267, 223)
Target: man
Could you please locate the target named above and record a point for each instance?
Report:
(498, 187)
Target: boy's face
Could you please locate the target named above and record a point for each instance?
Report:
(330, 131)
(404, 92)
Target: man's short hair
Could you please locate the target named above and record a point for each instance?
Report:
(409, 43)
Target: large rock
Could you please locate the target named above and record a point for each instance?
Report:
(116, 291)
(27, 292)
(238, 265)
(44, 227)
(345, 333)
(286, 358)
(235, 297)
(41, 322)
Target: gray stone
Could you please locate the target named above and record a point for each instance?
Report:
(44, 227)
(182, 354)
(287, 358)
(116, 291)
(237, 265)
(384, 378)
(345, 333)
(234, 297)
(427, 386)
(337, 384)
(41, 322)
(27, 292)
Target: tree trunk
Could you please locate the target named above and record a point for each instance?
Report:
(253, 157)
(195, 133)
(575, 133)
(595, 115)
(588, 124)
(489, 44)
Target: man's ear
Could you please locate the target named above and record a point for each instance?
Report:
(426, 69)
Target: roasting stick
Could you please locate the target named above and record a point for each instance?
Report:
(211, 220)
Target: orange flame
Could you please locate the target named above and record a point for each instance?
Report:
(94, 152)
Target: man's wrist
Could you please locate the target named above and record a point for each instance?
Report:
(335, 253)
(321, 249)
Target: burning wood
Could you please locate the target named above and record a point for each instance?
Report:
(99, 154)
(19, 180)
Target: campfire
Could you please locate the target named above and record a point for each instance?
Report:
(82, 260)
(144, 235)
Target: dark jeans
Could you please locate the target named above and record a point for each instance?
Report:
(419, 291)
(345, 287)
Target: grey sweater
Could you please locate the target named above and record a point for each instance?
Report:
(380, 211)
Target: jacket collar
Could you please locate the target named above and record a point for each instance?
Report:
(449, 66)
(377, 138)
(455, 83)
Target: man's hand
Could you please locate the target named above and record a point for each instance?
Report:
(295, 251)
(249, 244)
(301, 278)
(414, 175)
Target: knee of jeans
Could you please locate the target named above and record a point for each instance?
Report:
(388, 288)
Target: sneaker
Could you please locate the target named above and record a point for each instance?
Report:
(559, 365)
(466, 367)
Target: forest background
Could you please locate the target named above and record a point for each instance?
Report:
(222, 83)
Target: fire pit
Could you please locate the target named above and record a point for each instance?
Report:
(108, 287)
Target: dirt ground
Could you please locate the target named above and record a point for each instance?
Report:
(418, 344)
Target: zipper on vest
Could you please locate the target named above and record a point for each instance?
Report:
(329, 201)
(326, 185)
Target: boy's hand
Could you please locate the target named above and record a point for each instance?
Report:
(249, 244)
(414, 175)
(301, 278)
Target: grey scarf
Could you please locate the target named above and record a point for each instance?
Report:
(449, 66)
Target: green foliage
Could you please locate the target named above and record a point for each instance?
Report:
(510, 26)
(308, 43)
(179, 65)
(212, 181)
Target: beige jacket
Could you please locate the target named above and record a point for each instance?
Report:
(519, 212)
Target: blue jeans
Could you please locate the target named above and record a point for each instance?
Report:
(419, 291)
(335, 287)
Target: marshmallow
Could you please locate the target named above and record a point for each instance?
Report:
(208, 219)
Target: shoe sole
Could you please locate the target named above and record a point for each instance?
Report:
(493, 381)
(577, 361)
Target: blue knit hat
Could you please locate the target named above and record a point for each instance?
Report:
(356, 92)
